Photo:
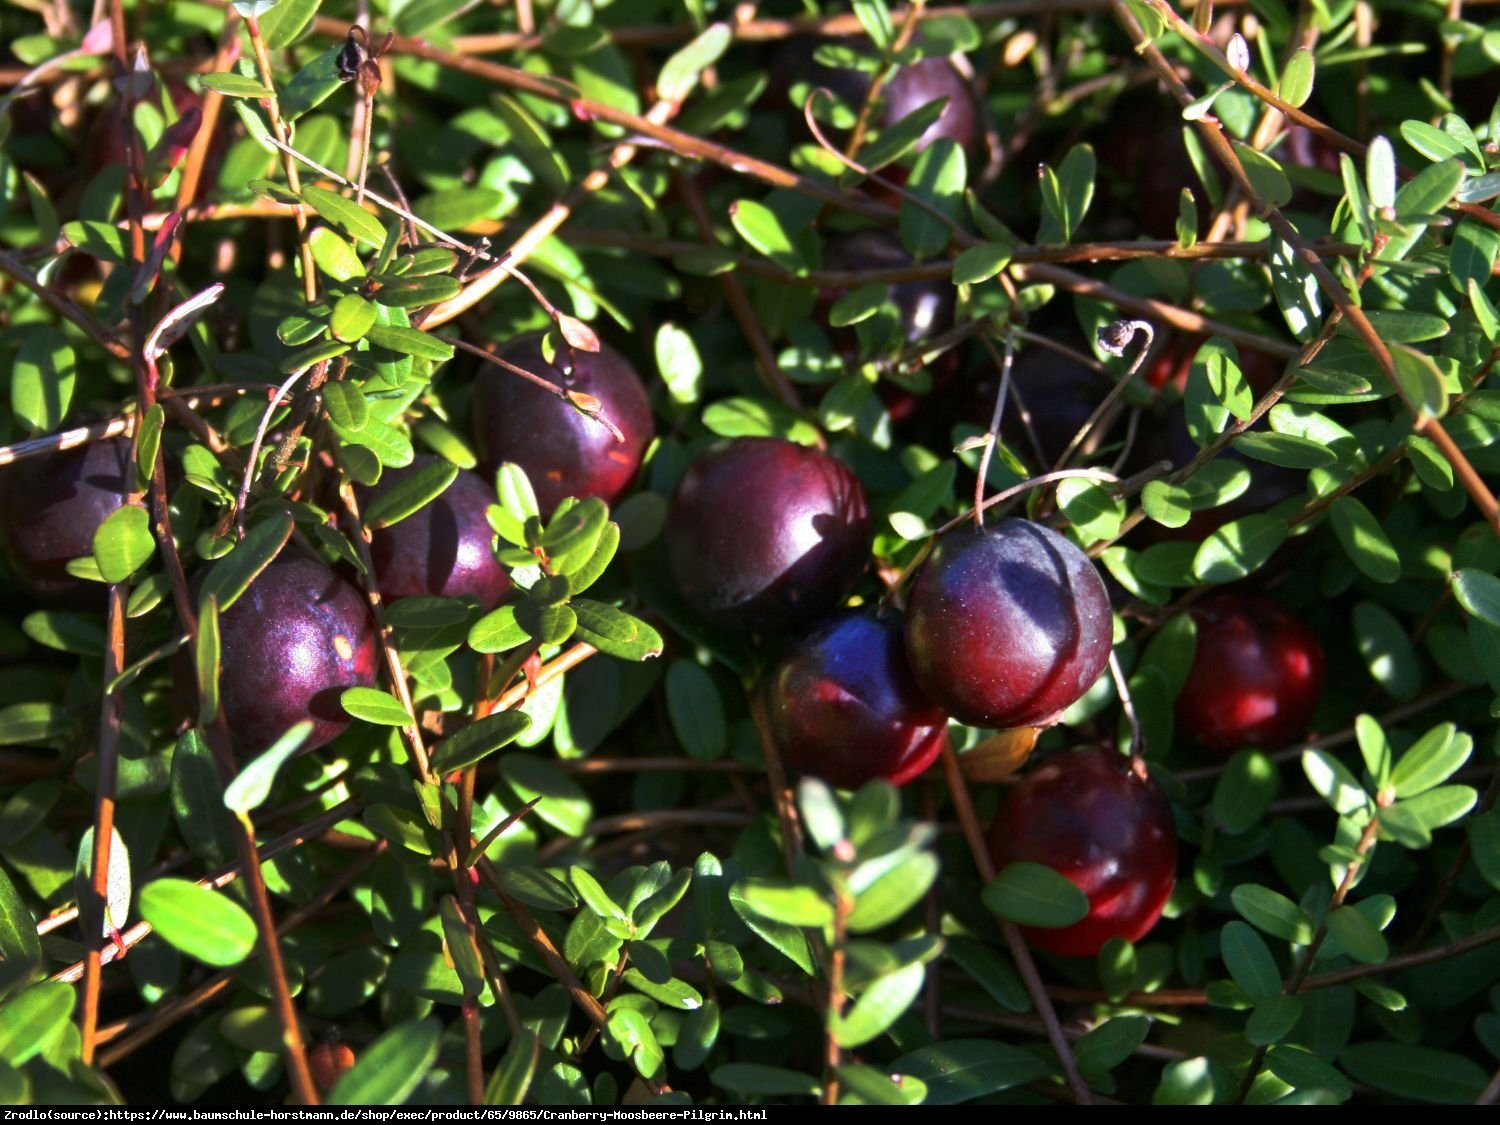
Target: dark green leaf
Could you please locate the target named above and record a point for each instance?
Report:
(879, 1006)
(233, 573)
(410, 341)
(345, 214)
(1364, 540)
(1033, 895)
(1244, 791)
(42, 375)
(1479, 594)
(696, 710)
(478, 740)
(390, 1069)
(1357, 935)
(512, 1077)
(1249, 961)
(1238, 549)
(964, 1069)
(1412, 1071)
(1285, 449)
(764, 1081)
(414, 492)
(1272, 913)
(233, 85)
(938, 179)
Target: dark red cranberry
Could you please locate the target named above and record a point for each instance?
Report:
(905, 90)
(445, 548)
(50, 508)
(1060, 395)
(842, 705)
(1256, 678)
(563, 452)
(1008, 626)
(290, 646)
(925, 309)
(765, 534)
(1087, 815)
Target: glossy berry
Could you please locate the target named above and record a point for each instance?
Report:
(443, 549)
(1008, 626)
(50, 508)
(906, 89)
(765, 534)
(289, 647)
(328, 1062)
(1088, 816)
(1256, 677)
(842, 705)
(563, 452)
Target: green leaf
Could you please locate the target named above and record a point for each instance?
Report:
(753, 417)
(1333, 782)
(1364, 540)
(1296, 83)
(1031, 894)
(252, 785)
(1286, 450)
(31, 1021)
(1066, 195)
(1093, 512)
(1421, 380)
(1195, 1081)
(980, 263)
(961, 1070)
(536, 888)
(335, 257)
(1416, 1072)
(123, 544)
(42, 376)
(879, 1006)
(1111, 1043)
(696, 711)
(615, 632)
(869, 1085)
(478, 740)
(679, 74)
(352, 317)
(35, 724)
(414, 492)
(894, 893)
(1266, 176)
(345, 214)
(765, 1081)
(346, 405)
(497, 631)
(1358, 936)
(233, 85)
(1303, 1070)
(207, 660)
(512, 1078)
(1249, 961)
(937, 178)
(1387, 651)
(1238, 549)
(1484, 840)
(564, 805)
(374, 706)
(1244, 791)
(311, 86)
(764, 230)
(786, 939)
(390, 1069)
(1272, 913)
(232, 574)
(792, 905)
(1273, 1019)
(410, 341)
(206, 925)
(1479, 594)
(197, 800)
(1435, 757)
(20, 947)
(1167, 504)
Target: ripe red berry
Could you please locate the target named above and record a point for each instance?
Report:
(444, 549)
(289, 647)
(1088, 816)
(563, 452)
(328, 1061)
(50, 508)
(842, 705)
(1256, 677)
(764, 534)
(1007, 626)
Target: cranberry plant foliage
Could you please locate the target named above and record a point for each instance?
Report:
(480, 481)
